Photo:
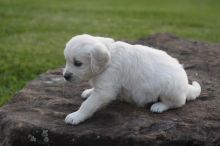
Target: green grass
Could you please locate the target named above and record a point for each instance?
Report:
(33, 33)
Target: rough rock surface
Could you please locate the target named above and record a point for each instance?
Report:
(35, 116)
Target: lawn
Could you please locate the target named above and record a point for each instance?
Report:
(33, 33)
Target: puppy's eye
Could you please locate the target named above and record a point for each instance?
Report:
(77, 63)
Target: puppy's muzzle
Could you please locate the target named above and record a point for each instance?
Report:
(67, 76)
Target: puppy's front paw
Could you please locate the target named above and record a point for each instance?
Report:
(86, 93)
(74, 118)
(159, 107)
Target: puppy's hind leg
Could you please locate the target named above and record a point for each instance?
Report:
(168, 103)
(86, 93)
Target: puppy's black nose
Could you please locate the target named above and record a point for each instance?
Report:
(67, 76)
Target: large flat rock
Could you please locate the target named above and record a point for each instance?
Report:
(35, 116)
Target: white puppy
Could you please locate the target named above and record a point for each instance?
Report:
(133, 73)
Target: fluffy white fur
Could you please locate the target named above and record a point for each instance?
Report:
(119, 71)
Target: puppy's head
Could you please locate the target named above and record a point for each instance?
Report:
(86, 56)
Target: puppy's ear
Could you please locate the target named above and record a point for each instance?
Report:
(100, 57)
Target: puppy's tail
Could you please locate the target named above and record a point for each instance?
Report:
(194, 91)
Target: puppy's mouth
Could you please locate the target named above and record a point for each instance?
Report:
(73, 79)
